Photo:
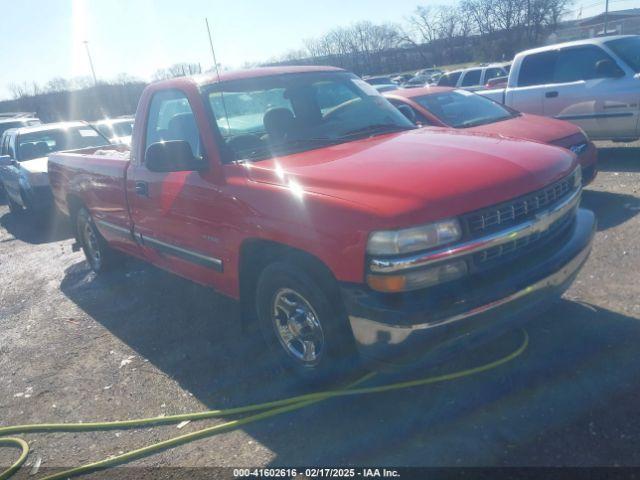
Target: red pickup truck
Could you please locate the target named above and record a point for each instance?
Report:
(340, 226)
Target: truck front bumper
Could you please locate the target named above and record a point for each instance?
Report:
(402, 328)
(589, 163)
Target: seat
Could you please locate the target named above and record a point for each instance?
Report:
(42, 149)
(183, 127)
(280, 124)
(28, 151)
(244, 146)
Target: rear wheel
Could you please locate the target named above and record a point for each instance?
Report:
(99, 255)
(303, 323)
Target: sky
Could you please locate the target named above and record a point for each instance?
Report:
(43, 39)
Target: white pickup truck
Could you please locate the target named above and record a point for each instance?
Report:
(594, 83)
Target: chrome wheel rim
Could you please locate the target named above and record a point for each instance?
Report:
(297, 327)
(91, 245)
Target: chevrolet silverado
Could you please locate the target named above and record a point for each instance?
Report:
(339, 225)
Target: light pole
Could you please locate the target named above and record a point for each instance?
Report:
(606, 16)
(93, 72)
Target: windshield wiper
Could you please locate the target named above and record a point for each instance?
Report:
(284, 148)
(375, 129)
(483, 121)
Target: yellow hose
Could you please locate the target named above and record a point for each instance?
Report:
(271, 409)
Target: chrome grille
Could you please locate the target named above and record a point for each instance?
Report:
(502, 216)
(519, 246)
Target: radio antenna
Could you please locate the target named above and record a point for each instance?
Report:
(217, 68)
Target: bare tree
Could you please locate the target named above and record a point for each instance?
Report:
(177, 70)
(18, 90)
(58, 84)
(125, 79)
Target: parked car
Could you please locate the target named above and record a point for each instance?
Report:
(497, 82)
(429, 73)
(7, 123)
(472, 78)
(384, 87)
(117, 130)
(17, 115)
(402, 78)
(455, 108)
(336, 222)
(593, 83)
(416, 82)
(379, 80)
(23, 159)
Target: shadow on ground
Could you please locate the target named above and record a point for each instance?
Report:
(37, 228)
(619, 159)
(611, 209)
(551, 406)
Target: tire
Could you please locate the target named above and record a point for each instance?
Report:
(99, 255)
(313, 339)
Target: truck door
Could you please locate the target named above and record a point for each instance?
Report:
(11, 173)
(471, 79)
(591, 90)
(172, 210)
(533, 75)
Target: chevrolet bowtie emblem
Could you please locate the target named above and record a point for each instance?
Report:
(578, 149)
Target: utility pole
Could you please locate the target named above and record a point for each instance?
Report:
(93, 72)
(606, 16)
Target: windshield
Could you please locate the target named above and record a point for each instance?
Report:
(263, 117)
(111, 130)
(123, 128)
(462, 109)
(4, 126)
(42, 143)
(628, 49)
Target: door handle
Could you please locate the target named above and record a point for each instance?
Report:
(553, 94)
(142, 189)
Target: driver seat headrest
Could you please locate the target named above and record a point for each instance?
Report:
(279, 123)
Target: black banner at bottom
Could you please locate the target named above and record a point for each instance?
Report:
(301, 473)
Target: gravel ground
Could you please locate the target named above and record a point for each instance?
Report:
(140, 342)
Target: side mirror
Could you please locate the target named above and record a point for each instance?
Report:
(172, 156)
(408, 112)
(608, 69)
(5, 161)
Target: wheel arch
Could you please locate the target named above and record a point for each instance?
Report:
(74, 204)
(256, 254)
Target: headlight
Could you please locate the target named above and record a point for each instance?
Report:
(413, 239)
(415, 279)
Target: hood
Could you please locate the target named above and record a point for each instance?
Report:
(35, 165)
(531, 127)
(35, 171)
(420, 175)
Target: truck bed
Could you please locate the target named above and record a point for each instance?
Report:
(95, 178)
(497, 94)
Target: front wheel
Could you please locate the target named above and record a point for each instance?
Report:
(14, 208)
(302, 322)
(99, 255)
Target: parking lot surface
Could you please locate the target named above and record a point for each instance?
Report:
(140, 342)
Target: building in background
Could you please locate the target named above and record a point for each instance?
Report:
(621, 22)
